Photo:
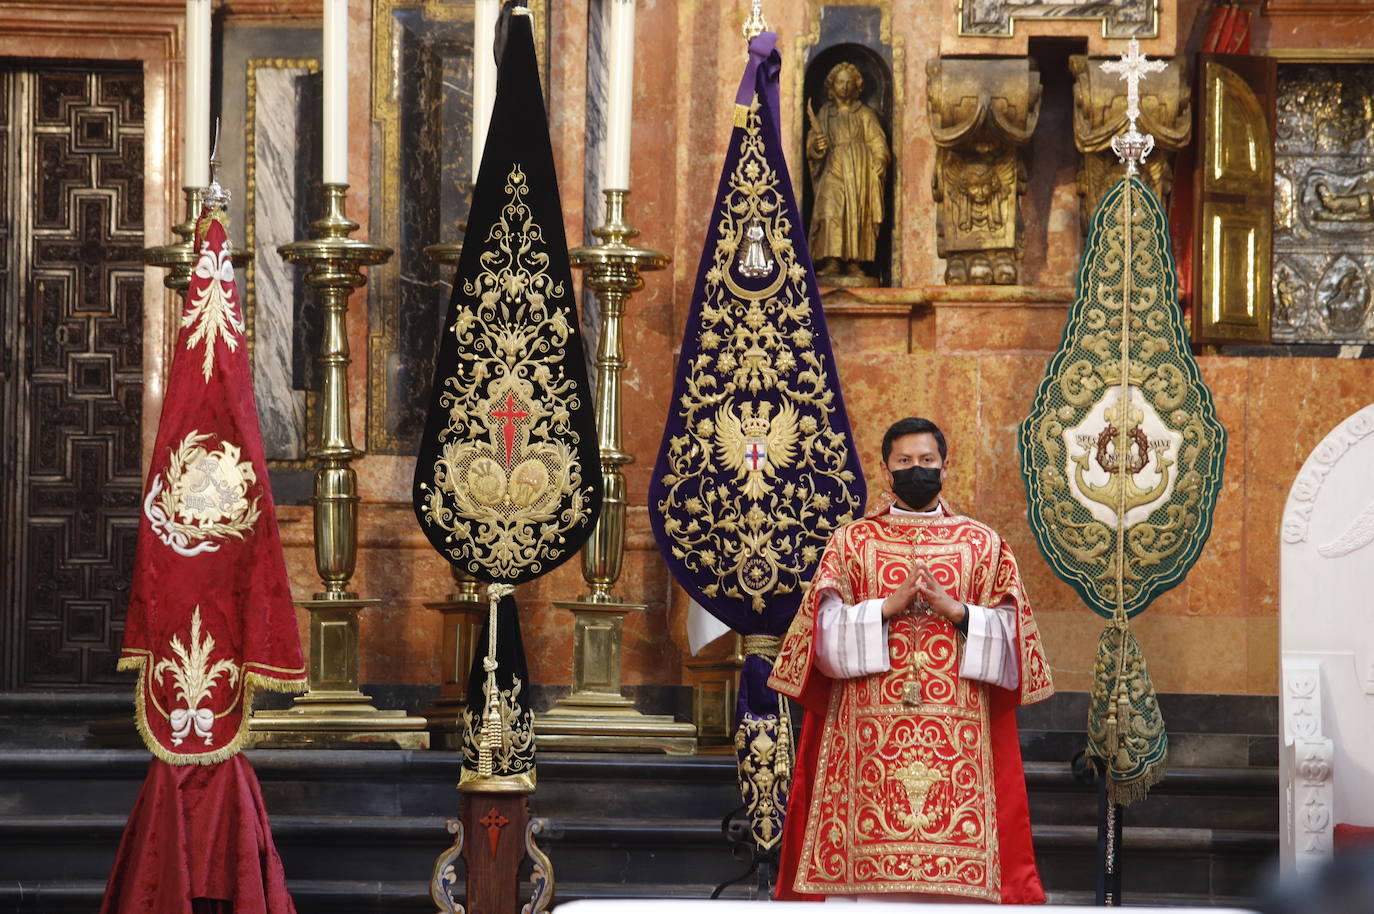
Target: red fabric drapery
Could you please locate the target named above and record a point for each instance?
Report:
(197, 842)
(210, 619)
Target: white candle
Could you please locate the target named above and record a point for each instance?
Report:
(483, 76)
(196, 101)
(335, 92)
(620, 93)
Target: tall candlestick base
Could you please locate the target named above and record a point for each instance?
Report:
(596, 715)
(714, 692)
(334, 711)
(464, 612)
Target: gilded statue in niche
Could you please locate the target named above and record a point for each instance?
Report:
(982, 115)
(1099, 113)
(847, 154)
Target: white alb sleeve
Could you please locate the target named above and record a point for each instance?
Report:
(850, 640)
(990, 649)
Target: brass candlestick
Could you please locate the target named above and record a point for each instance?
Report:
(178, 258)
(464, 611)
(334, 711)
(596, 715)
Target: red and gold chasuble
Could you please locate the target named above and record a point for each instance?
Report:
(910, 780)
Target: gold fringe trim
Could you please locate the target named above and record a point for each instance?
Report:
(1135, 791)
(251, 683)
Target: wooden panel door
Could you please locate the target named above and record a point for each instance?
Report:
(71, 326)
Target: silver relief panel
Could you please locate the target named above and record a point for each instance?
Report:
(1324, 204)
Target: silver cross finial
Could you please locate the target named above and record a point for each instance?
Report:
(1132, 146)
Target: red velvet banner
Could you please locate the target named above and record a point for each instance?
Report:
(210, 614)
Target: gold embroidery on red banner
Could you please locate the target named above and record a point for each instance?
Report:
(202, 499)
(214, 315)
(194, 676)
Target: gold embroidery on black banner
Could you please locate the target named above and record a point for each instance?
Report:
(509, 450)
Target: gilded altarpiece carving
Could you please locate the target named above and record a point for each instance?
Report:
(1099, 114)
(858, 32)
(1119, 18)
(1324, 204)
(421, 188)
(982, 115)
(71, 369)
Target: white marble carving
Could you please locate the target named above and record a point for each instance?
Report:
(1327, 643)
(281, 408)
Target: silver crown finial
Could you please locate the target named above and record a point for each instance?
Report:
(755, 25)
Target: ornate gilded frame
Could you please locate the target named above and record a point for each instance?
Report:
(796, 79)
(250, 194)
(1012, 20)
(384, 282)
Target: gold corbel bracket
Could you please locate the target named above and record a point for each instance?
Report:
(982, 116)
(1100, 114)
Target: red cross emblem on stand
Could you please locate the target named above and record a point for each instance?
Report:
(494, 822)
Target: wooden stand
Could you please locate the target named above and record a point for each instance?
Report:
(493, 834)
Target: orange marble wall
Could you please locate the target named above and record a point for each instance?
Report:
(969, 358)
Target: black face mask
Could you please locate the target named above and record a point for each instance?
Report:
(916, 486)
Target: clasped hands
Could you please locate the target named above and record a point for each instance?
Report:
(920, 586)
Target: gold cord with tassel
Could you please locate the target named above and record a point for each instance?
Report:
(490, 739)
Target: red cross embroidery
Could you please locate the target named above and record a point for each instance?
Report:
(754, 456)
(511, 414)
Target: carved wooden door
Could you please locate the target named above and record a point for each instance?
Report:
(71, 369)
(1235, 200)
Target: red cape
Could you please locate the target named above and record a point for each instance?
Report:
(1020, 877)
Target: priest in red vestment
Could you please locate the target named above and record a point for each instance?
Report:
(910, 653)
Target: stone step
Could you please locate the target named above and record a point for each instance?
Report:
(398, 783)
(640, 823)
(362, 897)
(1205, 862)
(375, 782)
(312, 896)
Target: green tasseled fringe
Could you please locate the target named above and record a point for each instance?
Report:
(1125, 727)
